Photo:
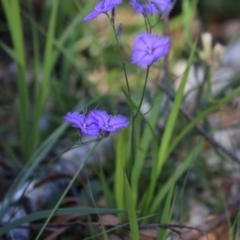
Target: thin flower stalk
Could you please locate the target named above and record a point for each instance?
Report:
(150, 7)
(102, 7)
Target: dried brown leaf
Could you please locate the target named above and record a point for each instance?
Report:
(148, 234)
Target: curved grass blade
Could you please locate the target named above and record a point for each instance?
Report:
(44, 214)
(179, 172)
(131, 211)
(168, 132)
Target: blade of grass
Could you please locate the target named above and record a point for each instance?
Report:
(37, 80)
(179, 172)
(9, 51)
(65, 191)
(173, 117)
(131, 211)
(12, 12)
(13, 16)
(14, 163)
(47, 61)
(201, 116)
(107, 191)
(166, 215)
(121, 157)
(189, 11)
(72, 26)
(141, 151)
(168, 132)
(32, 165)
(41, 92)
(99, 217)
(34, 161)
(60, 48)
(66, 211)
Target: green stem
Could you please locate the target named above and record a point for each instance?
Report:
(65, 192)
(42, 89)
(143, 93)
(13, 16)
(128, 89)
(36, 67)
(146, 23)
(201, 116)
(132, 146)
(121, 57)
(134, 116)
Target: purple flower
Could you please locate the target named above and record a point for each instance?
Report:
(86, 125)
(102, 7)
(148, 48)
(96, 122)
(108, 122)
(149, 7)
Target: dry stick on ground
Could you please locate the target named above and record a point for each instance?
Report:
(166, 88)
(173, 227)
(64, 226)
(213, 223)
(190, 233)
(195, 232)
(200, 129)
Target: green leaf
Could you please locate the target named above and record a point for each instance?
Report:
(66, 190)
(173, 117)
(166, 214)
(13, 15)
(121, 157)
(168, 132)
(141, 152)
(131, 211)
(59, 212)
(179, 172)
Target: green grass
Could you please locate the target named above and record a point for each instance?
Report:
(75, 64)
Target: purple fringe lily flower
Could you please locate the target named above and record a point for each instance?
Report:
(109, 123)
(149, 7)
(97, 122)
(86, 125)
(148, 48)
(102, 7)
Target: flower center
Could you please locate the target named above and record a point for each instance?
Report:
(85, 125)
(149, 50)
(100, 8)
(143, 1)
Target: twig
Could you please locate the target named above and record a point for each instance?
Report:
(213, 223)
(173, 228)
(165, 86)
(200, 128)
(190, 234)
